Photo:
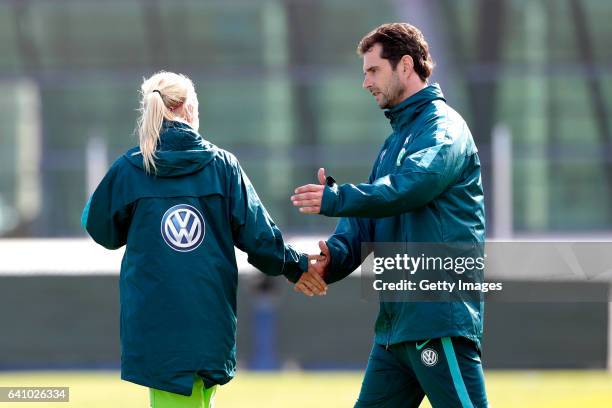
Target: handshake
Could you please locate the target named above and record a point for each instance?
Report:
(312, 281)
(308, 198)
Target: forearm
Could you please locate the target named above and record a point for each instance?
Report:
(271, 256)
(296, 264)
(386, 196)
(345, 258)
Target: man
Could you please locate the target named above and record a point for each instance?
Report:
(425, 186)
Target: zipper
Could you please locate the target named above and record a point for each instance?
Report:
(390, 321)
(388, 166)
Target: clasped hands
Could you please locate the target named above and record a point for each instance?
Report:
(312, 281)
(308, 198)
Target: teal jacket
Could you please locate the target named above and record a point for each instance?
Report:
(179, 277)
(425, 187)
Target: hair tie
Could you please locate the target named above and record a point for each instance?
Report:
(156, 90)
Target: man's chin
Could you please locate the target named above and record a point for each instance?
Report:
(382, 103)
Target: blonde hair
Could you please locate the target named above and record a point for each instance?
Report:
(165, 95)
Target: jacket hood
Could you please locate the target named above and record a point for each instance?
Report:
(180, 151)
(404, 111)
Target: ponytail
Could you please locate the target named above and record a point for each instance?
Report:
(149, 126)
(162, 94)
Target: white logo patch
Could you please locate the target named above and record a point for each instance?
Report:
(429, 357)
(382, 156)
(183, 228)
(402, 152)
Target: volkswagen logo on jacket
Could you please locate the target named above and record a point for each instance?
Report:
(183, 228)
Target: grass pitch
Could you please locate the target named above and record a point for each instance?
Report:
(506, 389)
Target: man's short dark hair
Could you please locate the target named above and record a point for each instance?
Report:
(397, 40)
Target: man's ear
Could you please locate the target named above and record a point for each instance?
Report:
(407, 64)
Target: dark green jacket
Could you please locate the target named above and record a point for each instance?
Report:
(178, 276)
(425, 187)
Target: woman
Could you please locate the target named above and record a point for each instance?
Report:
(180, 204)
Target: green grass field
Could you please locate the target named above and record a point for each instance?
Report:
(525, 389)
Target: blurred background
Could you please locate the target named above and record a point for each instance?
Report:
(279, 84)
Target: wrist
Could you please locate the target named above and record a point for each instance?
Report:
(331, 196)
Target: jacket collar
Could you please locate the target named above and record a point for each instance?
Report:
(403, 113)
(178, 136)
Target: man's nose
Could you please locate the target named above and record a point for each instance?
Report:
(366, 83)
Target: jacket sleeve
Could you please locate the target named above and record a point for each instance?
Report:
(423, 175)
(345, 245)
(105, 217)
(255, 233)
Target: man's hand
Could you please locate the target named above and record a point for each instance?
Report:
(309, 197)
(311, 282)
(323, 260)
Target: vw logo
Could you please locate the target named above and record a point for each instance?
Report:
(429, 357)
(183, 228)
